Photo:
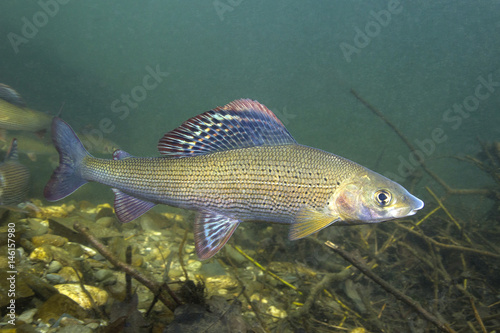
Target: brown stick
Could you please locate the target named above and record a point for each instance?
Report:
(399, 295)
(476, 314)
(150, 284)
(448, 246)
(412, 149)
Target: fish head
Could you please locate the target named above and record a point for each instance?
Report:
(370, 198)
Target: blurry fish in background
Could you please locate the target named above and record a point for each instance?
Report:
(15, 116)
(29, 144)
(96, 144)
(14, 179)
(38, 148)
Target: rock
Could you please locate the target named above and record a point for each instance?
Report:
(212, 268)
(42, 289)
(237, 258)
(103, 274)
(36, 227)
(105, 211)
(74, 250)
(57, 305)
(69, 274)
(54, 266)
(194, 266)
(276, 313)
(55, 279)
(106, 221)
(17, 283)
(75, 292)
(49, 239)
(218, 315)
(216, 283)
(42, 254)
(153, 221)
(75, 328)
(46, 252)
(4, 261)
(109, 281)
(27, 316)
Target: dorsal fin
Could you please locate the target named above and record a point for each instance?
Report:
(12, 152)
(120, 155)
(11, 96)
(239, 124)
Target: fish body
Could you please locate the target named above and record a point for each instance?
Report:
(14, 115)
(234, 164)
(14, 178)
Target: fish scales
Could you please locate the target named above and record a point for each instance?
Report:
(233, 164)
(251, 183)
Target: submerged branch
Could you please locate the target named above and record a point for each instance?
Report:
(399, 295)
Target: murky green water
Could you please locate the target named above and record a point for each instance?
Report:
(127, 72)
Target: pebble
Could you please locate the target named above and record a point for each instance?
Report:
(215, 283)
(42, 254)
(75, 329)
(103, 274)
(48, 239)
(75, 292)
(54, 266)
(27, 316)
(55, 279)
(106, 221)
(69, 274)
(36, 227)
(276, 313)
(104, 212)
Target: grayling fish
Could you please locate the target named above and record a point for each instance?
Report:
(234, 164)
(14, 178)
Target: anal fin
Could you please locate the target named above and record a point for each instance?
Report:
(128, 208)
(308, 221)
(211, 231)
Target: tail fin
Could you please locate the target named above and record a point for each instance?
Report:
(67, 177)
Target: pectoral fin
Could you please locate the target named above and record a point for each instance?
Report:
(308, 221)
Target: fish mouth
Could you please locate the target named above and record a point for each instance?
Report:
(417, 205)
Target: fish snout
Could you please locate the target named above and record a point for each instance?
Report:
(416, 204)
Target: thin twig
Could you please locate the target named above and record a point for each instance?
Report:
(412, 149)
(323, 284)
(476, 314)
(447, 246)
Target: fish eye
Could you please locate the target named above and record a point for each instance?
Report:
(383, 197)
